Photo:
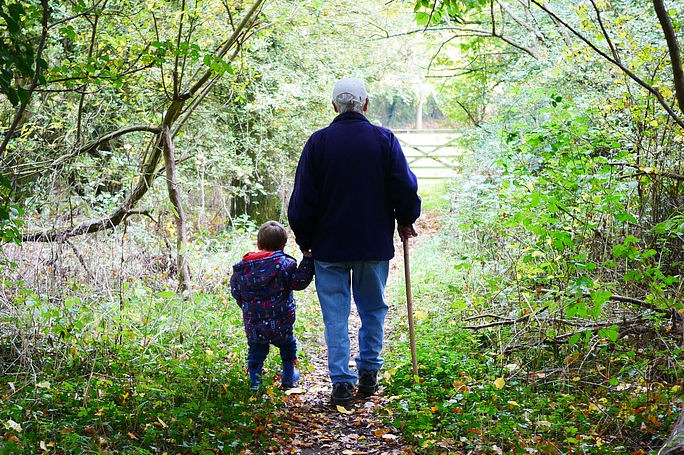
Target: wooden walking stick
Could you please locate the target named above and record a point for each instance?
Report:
(409, 305)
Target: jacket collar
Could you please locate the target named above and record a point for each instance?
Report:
(253, 256)
(349, 117)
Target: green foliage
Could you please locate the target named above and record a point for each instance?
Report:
(475, 395)
(134, 382)
(9, 214)
(17, 55)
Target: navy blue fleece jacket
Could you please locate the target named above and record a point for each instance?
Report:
(352, 183)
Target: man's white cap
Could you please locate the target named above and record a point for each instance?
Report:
(352, 86)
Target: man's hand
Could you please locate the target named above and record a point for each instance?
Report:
(406, 232)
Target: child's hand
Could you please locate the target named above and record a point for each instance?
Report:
(307, 254)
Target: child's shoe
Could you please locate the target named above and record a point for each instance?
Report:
(255, 377)
(290, 375)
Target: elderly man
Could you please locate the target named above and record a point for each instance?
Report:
(352, 183)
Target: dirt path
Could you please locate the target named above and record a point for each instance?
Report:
(309, 424)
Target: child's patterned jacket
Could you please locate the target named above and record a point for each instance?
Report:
(262, 284)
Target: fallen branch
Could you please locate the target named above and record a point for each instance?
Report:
(505, 321)
(615, 298)
(624, 326)
(486, 315)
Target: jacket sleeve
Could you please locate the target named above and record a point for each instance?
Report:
(303, 207)
(403, 186)
(299, 278)
(235, 289)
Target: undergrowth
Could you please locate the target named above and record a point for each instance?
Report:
(481, 389)
(145, 372)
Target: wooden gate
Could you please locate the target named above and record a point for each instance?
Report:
(432, 154)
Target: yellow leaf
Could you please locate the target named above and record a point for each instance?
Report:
(343, 410)
(513, 403)
(43, 385)
(419, 315)
(14, 425)
(499, 383)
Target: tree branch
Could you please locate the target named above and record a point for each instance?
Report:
(150, 164)
(650, 171)
(624, 69)
(34, 82)
(673, 48)
(613, 50)
(92, 146)
(179, 213)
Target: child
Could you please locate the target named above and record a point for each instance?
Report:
(262, 284)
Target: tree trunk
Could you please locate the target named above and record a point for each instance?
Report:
(179, 214)
(675, 443)
(419, 114)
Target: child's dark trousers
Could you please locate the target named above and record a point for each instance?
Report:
(258, 351)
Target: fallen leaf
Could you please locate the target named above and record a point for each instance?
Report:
(43, 385)
(294, 391)
(343, 410)
(132, 435)
(460, 387)
(499, 383)
(381, 432)
(389, 436)
(14, 425)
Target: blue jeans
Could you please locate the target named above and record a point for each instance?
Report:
(334, 283)
(258, 351)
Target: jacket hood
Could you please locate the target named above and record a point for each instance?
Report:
(258, 273)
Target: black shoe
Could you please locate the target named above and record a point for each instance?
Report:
(368, 382)
(342, 393)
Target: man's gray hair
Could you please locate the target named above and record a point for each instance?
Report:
(346, 102)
